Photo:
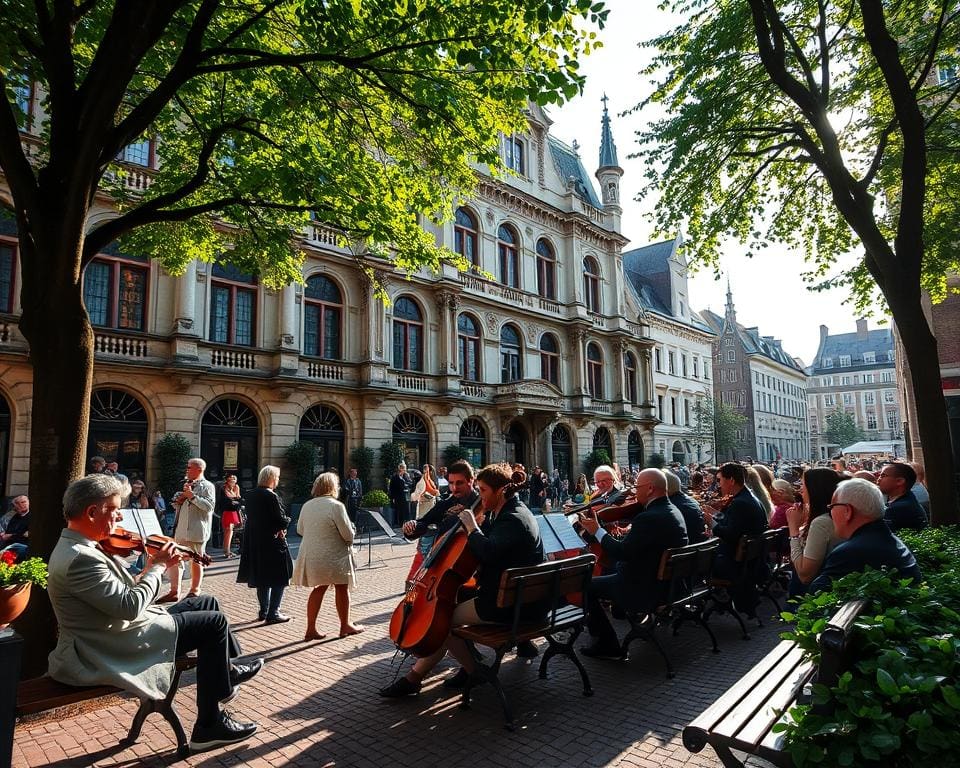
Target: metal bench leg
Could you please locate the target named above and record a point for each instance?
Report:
(727, 757)
(165, 708)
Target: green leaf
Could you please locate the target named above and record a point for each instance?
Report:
(886, 683)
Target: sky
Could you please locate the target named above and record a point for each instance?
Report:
(768, 292)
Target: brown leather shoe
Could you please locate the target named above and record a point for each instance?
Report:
(169, 598)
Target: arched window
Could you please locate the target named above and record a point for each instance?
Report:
(473, 438)
(562, 447)
(229, 440)
(117, 430)
(407, 335)
(466, 236)
(591, 284)
(322, 315)
(510, 367)
(546, 270)
(411, 431)
(323, 427)
(468, 346)
(630, 371)
(550, 359)
(602, 441)
(635, 449)
(594, 371)
(509, 256)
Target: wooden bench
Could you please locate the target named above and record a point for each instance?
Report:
(545, 583)
(744, 716)
(42, 694)
(682, 583)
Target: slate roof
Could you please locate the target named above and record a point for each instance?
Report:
(568, 165)
(753, 342)
(647, 270)
(879, 341)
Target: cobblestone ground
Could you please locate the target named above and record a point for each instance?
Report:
(317, 702)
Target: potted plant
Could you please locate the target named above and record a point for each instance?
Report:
(16, 579)
(376, 499)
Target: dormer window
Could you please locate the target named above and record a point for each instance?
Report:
(844, 361)
(828, 362)
(514, 154)
(869, 357)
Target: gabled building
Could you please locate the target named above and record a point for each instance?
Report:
(756, 377)
(682, 354)
(855, 373)
(539, 355)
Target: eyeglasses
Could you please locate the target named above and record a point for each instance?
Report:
(837, 504)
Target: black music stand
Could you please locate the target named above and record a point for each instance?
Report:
(377, 520)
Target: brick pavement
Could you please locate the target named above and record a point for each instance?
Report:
(317, 703)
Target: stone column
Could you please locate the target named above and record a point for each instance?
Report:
(186, 298)
(289, 327)
(577, 337)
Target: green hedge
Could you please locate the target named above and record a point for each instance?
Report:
(899, 704)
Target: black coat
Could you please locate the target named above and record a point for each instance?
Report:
(871, 545)
(744, 516)
(905, 512)
(692, 516)
(264, 559)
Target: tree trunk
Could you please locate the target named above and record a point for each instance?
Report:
(920, 346)
(57, 327)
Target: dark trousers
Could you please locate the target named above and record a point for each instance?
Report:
(598, 623)
(270, 598)
(203, 628)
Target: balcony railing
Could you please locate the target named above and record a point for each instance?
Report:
(129, 347)
(413, 383)
(240, 360)
(515, 296)
(473, 389)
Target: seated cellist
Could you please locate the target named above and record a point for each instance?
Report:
(508, 538)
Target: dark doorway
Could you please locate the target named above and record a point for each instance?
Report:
(603, 442)
(410, 430)
(323, 427)
(562, 451)
(635, 450)
(473, 439)
(118, 431)
(516, 445)
(229, 440)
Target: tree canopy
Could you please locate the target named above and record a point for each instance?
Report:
(362, 115)
(841, 428)
(831, 127)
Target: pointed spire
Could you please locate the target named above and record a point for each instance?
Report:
(731, 313)
(608, 150)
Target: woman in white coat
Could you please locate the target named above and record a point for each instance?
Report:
(326, 555)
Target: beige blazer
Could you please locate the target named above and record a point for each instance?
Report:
(110, 634)
(195, 516)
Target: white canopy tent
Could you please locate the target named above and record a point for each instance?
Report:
(876, 448)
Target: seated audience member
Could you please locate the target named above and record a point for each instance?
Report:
(112, 633)
(903, 509)
(857, 513)
(920, 488)
(16, 533)
(783, 497)
(754, 481)
(812, 535)
(689, 508)
(632, 587)
(865, 474)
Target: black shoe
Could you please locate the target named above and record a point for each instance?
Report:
(527, 650)
(262, 616)
(600, 651)
(400, 688)
(458, 680)
(231, 696)
(240, 673)
(225, 731)
(279, 618)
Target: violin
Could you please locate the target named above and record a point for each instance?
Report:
(123, 543)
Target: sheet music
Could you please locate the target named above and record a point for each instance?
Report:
(558, 534)
(142, 522)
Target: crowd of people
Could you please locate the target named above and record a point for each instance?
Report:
(837, 523)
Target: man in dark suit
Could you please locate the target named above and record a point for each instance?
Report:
(857, 513)
(633, 586)
(399, 492)
(743, 516)
(903, 510)
(352, 492)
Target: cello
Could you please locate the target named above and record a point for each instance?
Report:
(421, 622)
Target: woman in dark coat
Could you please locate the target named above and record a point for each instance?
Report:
(265, 561)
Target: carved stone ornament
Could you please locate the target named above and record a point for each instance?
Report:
(184, 324)
(286, 339)
(493, 323)
(491, 217)
(577, 335)
(533, 331)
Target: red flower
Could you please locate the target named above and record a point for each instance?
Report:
(8, 557)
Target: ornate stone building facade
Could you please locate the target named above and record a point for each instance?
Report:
(537, 355)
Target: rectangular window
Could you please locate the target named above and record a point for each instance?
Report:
(889, 396)
(513, 154)
(115, 294)
(871, 420)
(673, 410)
(844, 361)
(660, 407)
(868, 378)
(731, 356)
(683, 366)
(686, 412)
(828, 362)
(946, 73)
(696, 367)
(8, 261)
(657, 359)
(672, 363)
(139, 153)
(133, 293)
(868, 398)
(828, 400)
(893, 420)
(845, 381)
(23, 98)
(869, 357)
(847, 398)
(232, 314)
(706, 370)
(96, 292)
(886, 377)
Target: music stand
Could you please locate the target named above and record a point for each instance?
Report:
(558, 535)
(377, 520)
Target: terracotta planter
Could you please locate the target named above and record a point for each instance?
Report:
(13, 602)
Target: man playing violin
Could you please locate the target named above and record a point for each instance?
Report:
(508, 538)
(111, 633)
(632, 586)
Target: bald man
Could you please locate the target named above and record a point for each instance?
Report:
(633, 586)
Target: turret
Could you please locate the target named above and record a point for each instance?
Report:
(609, 172)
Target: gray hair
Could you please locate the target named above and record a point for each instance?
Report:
(90, 490)
(606, 469)
(863, 495)
(326, 484)
(673, 483)
(197, 461)
(267, 474)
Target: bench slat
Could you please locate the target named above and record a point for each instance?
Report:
(494, 635)
(758, 727)
(719, 709)
(43, 693)
(755, 701)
